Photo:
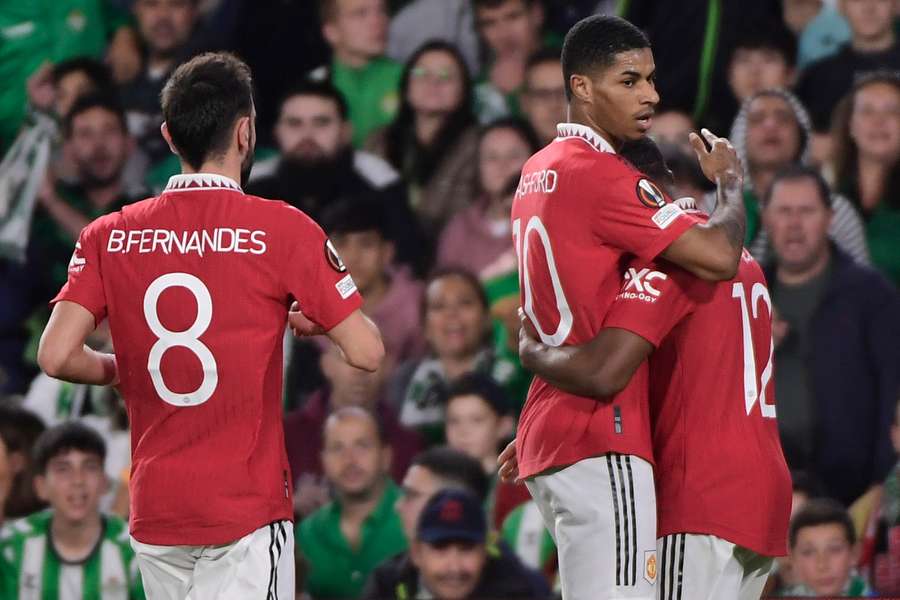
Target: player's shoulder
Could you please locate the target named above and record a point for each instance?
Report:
(278, 213)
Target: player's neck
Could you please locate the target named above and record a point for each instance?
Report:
(580, 117)
(74, 540)
(874, 44)
(794, 277)
(224, 168)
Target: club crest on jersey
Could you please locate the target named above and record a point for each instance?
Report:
(650, 566)
(649, 194)
(334, 258)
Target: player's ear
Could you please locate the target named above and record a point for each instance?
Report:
(164, 129)
(582, 88)
(244, 134)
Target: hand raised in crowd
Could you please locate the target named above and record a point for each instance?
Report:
(720, 159)
(41, 92)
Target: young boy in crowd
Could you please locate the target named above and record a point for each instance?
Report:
(823, 552)
(71, 551)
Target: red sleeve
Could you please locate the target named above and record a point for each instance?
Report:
(317, 278)
(653, 299)
(84, 285)
(632, 213)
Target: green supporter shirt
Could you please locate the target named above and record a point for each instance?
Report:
(883, 237)
(372, 94)
(35, 31)
(335, 569)
(31, 568)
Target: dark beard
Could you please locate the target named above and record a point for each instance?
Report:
(91, 182)
(311, 184)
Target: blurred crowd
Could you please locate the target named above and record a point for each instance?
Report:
(401, 126)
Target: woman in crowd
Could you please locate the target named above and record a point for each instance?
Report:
(480, 234)
(433, 141)
(457, 325)
(867, 164)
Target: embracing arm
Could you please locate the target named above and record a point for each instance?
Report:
(599, 368)
(62, 353)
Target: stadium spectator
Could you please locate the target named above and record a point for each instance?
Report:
(451, 558)
(304, 428)
(164, 28)
(19, 430)
(421, 21)
(524, 532)
(479, 421)
(823, 551)
(544, 94)
(357, 31)
(346, 539)
(761, 60)
(673, 127)
(837, 331)
(433, 141)
(772, 130)
(317, 165)
(55, 87)
(71, 550)
(820, 29)
(480, 234)
(873, 47)
(688, 179)
(511, 32)
(456, 325)
(867, 164)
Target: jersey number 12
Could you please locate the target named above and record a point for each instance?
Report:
(754, 391)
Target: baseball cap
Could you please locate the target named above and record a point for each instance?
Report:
(452, 516)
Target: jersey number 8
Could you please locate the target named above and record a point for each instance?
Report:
(189, 338)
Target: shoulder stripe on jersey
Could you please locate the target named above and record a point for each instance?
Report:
(615, 497)
(633, 521)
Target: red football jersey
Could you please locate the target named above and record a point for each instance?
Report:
(578, 210)
(197, 284)
(719, 466)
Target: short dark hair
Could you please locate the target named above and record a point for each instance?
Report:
(328, 10)
(201, 102)
(19, 428)
(798, 171)
(462, 273)
(522, 127)
(544, 55)
(822, 511)
(105, 101)
(71, 435)
(804, 482)
(483, 386)
(97, 72)
(320, 89)
(594, 42)
(773, 35)
(647, 158)
(354, 216)
(455, 467)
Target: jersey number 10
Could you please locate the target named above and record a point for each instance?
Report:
(189, 338)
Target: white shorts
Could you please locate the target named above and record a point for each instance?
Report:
(259, 565)
(705, 567)
(601, 513)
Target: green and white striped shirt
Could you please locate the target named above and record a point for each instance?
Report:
(30, 568)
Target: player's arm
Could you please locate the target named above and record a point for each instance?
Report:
(359, 340)
(712, 251)
(62, 353)
(599, 368)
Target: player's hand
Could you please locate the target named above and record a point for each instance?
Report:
(301, 325)
(720, 160)
(509, 464)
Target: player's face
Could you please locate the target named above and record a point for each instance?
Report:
(360, 28)
(512, 28)
(544, 100)
(623, 96)
(73, 484)
(797, 221)
(435, 84)
(673, 127)
(451, 571)
(773, 133)
(869, 18)
(310, 130)
(822, 559)
(99, 146)
(165, 25)
(755, 70)
(875, 122)
(366, 255)
(455, 319)
(502, 153)
(352, 456)
(473, 427)
(418, 486)
(72, 86)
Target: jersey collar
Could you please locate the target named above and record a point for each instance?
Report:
(566, 131)
(201, 181)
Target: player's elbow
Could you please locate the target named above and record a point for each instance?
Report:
(52, 358)
(720, 266)
(368, 356)
(607, 383)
